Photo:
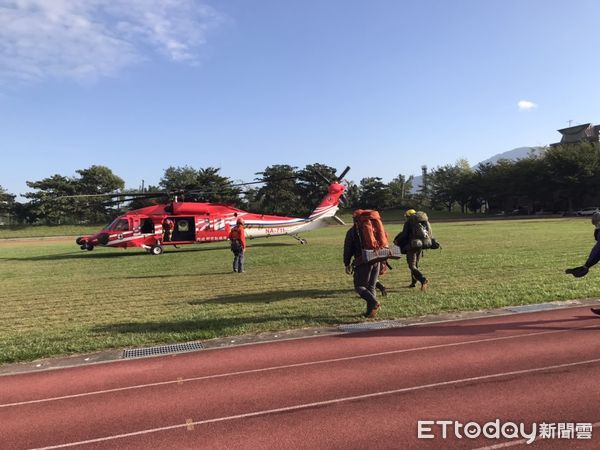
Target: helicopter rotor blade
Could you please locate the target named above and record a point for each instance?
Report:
(204, 191)
(126, 200)
(173, 193)
(343, 174)
(323, 177)
(110, 195)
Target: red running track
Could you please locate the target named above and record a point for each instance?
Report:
(353, 390)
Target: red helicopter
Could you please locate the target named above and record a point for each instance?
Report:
(180, 223)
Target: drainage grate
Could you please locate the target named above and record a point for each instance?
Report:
(353, 327)
(162, 350)
(531, 308)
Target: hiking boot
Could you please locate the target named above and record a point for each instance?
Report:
(372, 312)
(424, 285)
(383, 291)
(596, 311)
(412, 285)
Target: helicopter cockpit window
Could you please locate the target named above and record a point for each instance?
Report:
(147, 226)
(119, 225)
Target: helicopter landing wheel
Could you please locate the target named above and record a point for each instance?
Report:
(89, 247)
(156, 250)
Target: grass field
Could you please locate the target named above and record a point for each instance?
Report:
(23, 231)
(56, 299)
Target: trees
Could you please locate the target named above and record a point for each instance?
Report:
(91, 181)
(7, 201)
(216, 188)
(50, 203)
(574, 171)
(7, 204)
(207, 185)
(312, 187)
(400, 189)
(448, 185)
(279, 195)
(352, 196)
(54, 201)
(178, 179)
(562, 177)
(374, 194)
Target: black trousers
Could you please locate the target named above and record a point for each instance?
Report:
(365, 279)
(412, 259)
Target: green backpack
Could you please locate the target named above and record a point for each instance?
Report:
(421, 235)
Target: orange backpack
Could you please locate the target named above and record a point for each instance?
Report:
(370, 229)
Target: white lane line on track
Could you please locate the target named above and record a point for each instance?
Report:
(321, 403)
(523, 441)
(288, 366)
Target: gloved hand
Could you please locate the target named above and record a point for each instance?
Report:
(578, 272)
(349, 269)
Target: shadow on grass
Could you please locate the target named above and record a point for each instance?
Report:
(82, 255)
(487, 330)
(179, 275)
(275, 296)
(212, 327)
(252, 243)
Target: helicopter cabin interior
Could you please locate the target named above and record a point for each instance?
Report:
(185, 229)
(147, 226)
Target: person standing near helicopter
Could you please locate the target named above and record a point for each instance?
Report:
(237, 237)
(168, 227)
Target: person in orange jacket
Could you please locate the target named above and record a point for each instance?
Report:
(237, 237)
(168, 227)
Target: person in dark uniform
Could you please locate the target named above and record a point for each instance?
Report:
(593, 257)
(413, 256)
(365, 275)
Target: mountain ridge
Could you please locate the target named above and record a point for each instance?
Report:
(512, 155)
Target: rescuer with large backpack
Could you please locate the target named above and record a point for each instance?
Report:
(415, 237)
(367, 234)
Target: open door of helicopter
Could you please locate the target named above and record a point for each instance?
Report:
(185, 229)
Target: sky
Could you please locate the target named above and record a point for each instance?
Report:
(383, 86)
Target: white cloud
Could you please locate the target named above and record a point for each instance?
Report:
(526, 105)
(88, 39)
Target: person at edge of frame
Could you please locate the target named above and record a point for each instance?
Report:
(593, 257)
(365, 275)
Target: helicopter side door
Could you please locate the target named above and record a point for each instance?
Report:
(185, 229)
